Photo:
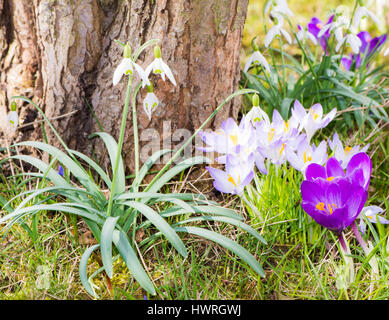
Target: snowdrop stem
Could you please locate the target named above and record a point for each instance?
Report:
(120, 143)
(136, 139)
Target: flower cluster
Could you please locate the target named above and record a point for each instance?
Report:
(259, 142)
(158, 67)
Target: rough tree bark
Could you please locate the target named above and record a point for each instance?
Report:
(62, 54)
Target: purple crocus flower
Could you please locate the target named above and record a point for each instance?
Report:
(334, 198)
(314, 26)
(334, 205)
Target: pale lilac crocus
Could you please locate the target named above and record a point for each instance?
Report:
(371, 213)
(235, 177)
(314, 119)
(307, 154)
(344, 154)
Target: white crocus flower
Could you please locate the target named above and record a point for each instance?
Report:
(303, 34)
(258, 59)
(158, 66)
(386, 52)
(371, 212)
(127, 66)
(150, 103)
(363, 12)
(13, 120)
(276, 31)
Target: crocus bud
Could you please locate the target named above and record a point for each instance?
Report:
(127, 51)
(157, 52)
(255, 100)
(13, 106)
(150, 88)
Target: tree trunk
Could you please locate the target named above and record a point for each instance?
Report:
(62, 54)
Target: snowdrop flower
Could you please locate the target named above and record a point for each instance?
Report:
(256, 114)
(344, 155)
(386, 52)
(306, 155)
(13, 117)
(276, 31)
(236, 176)
(314, 119)
(258, 59)
(352, 40)
(336, 25)
(151, 102)
(278, 6)
(303, 34)
(127, 66)
(158, 66)
(371, 213)
(363, 12)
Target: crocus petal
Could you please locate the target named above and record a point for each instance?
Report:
(315, 171)
(361, 160)
(311, 192)
(334, 169)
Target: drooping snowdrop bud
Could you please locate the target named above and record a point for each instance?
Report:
(303, 34)
(158, 66)
(127, 66)
(151, 102)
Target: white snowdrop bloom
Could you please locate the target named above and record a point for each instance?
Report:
(127, 66)
(352, 40)
(258, 59)
(386, 52)
(150, 103)
(363, 12)
(303, 34)
(276, 31)
(278, 6)
(158, 66)
(335, 26)
(13, 120)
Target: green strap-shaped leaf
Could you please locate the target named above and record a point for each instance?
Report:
(130, 258)
(149, 163)
(106, 244)
(160, 196)
(234, 222)
(161, 225)
(176, 170)
(95, 166)
(77, 171)
(83, 270)
(226, 243)
(112, 148)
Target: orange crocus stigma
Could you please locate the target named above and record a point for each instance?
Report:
(330, 178)
(234, 139)
(320, 206)
(231, 179)
(347, 149)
